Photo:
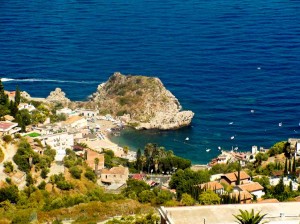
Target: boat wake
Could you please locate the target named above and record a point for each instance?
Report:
(46, 80)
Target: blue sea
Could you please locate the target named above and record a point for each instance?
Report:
(220, 58)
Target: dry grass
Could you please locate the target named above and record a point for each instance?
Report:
(96, 211)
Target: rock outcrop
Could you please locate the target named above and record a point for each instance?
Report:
(58, 96)
(144, 99)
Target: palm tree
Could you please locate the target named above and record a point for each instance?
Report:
(246, 217)
(156, 162)
(143, 161)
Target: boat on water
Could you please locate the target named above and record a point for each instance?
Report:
(232, 137)
(280, 124)
(219, 147)
(187, 138)
(207, 150)
(252, 111)
(230, 123)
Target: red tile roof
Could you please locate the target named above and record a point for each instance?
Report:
(214, 185)
(251, 187)
(233, 176)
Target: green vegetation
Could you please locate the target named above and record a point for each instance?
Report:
(1, 155)
(8, 167)
(246, 217)
(185, 180)
(150, 218)
(7, 138)
(33, 134)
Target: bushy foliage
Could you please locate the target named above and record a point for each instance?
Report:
(61, 182)
(21, 158)
(7, 138)
(89, 173)
(184, 180)
(76, 172)
(8, 167)
(209, 198)
(10, 193)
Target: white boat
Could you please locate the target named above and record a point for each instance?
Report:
(252, 111)
(207, 150)
(187, 138)
(236, 148)
(280, 124)
(219, 147)
(230, 123)
(232, 137)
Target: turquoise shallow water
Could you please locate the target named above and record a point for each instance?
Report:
(220, 58)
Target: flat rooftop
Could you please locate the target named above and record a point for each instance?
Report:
(284, 212)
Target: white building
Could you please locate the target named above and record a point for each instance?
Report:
(254, 150)
(23, 106)
(295, 145)
(253, 188)
(76, 122)
(59, 141)
(89, 113)
(286, 182)
(66, 111)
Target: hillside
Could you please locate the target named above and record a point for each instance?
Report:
(145, 101)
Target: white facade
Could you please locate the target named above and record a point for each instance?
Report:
(27, 106)
(254, 150)
(9, 128)
(89, 113)
(286, 182)
(58, 141)
(76, 122)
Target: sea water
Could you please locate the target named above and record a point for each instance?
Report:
(234, 63)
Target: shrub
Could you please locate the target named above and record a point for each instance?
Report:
(76, 172)
(44, 173)
(7, 138)
(89, 174)
(8, 167)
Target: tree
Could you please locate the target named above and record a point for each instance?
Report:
(246, 217)
(76, 172)
(187, 200)
(285, 167)
(239, 174)
(279, 188)
(209, 198)
(294, 165)
(17, 96)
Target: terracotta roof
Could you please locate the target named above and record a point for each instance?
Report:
(270, 200)
(6, 125)
(233, 176)
(138, 176)
(115, 170)
(73, 119)
(213, 185)
(251, 187)
(245, 195)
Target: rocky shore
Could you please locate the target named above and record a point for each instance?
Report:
(139, 101)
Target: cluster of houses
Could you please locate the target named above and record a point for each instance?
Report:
(80, 128)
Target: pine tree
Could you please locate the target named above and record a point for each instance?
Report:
(239, 174)
(285, 167)
(294, 165)
(18, 96)
(3, 96)
(290, 166)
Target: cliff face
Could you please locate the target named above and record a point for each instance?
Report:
(58, 96)
(145, 99)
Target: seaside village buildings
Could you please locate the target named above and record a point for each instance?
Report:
(80, 129)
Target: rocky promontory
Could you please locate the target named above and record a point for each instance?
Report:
(145, 102)
(58, 96)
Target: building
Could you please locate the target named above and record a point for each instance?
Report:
(286, 181)
(89, 113)
(276, 213)
(29, 107)
(253, 188)
(76, 122)
(90, 159)
(8, 128)
(213, 185)
(231, 178)
(242, 197)
(114, 175)
(295, 145)
(58, 141)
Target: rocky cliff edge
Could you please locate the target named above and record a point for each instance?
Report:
(145, 100)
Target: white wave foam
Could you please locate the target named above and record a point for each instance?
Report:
(45, 80)
(6, 79)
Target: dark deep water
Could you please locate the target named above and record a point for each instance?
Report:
(220, 58)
